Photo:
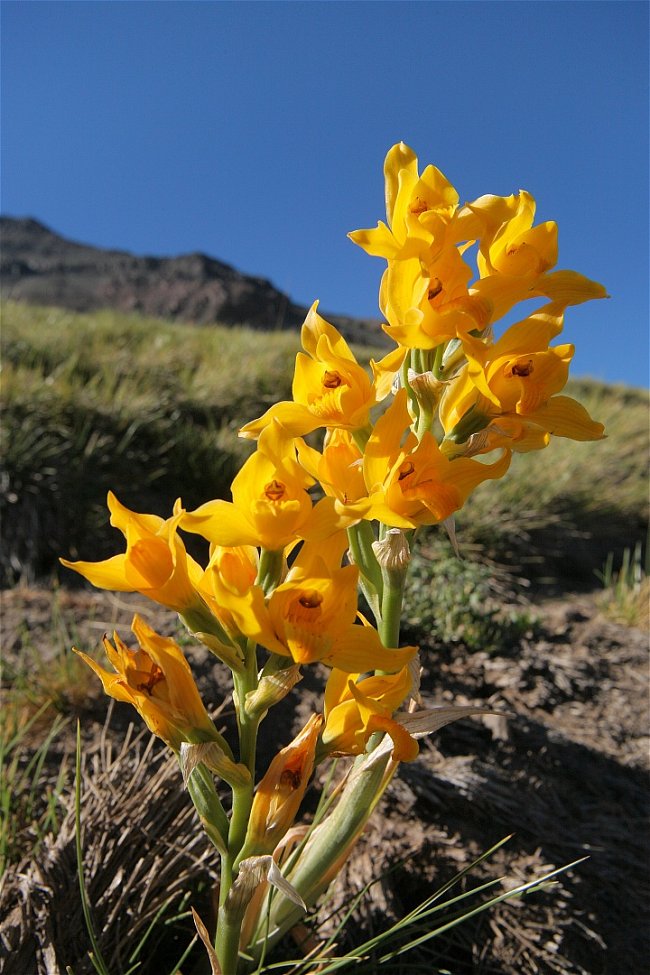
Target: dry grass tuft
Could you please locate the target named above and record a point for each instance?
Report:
(143, 852)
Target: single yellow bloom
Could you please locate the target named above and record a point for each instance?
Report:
(281, 790)
(156, 679)
(155, 562)
(515, 258)
(311, 615)
(355, 709)
(418, 209)
(425, 305)
(271, 507)
(411, 483)
(330, 388)
(509, 243)
(230, 570)
(517, 378)
(338, 470)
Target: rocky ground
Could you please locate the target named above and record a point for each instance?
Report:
(564, 769)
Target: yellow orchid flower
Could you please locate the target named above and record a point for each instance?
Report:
(271, 507)
(355, 709)
(156, 679)
(515, 257)
(338, 470)
(311, 615)
(232, 571)
(418, 209)
(155, 562)
(510, 387)
(509, 243)
(425, 305)
(424, 294)
(411, 483)
(281, 790)
(330, 388)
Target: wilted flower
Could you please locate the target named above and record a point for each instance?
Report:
(280, 792)
(355, 709)
(156, 679)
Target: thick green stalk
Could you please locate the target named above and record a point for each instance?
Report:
(437, 367)
(361, 538)
(270, 569)
(229, 922)
(424, 421)
(393, 556)
(227, 940)
(391, 606)
(248, 726)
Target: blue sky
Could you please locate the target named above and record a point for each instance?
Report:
(256, 132)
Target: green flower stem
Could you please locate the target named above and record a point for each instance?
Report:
(391, 606)
(208, 805)
(199, 619)
(409, 363)
(270, 568)
(248, 726)
(424, 421)
(227, 941)
(361, 538)
(229, 923)
(437, 367)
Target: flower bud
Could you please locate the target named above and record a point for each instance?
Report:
(271, 689)
(156, 679)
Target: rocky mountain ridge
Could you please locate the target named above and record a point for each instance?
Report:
(39, 267)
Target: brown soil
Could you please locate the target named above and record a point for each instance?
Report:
(566, 771)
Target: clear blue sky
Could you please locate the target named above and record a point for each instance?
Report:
(256, 132)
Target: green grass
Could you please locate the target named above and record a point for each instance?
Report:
(150, 410)
(108, 401)
(626, 590)
(30, 786)
(462, 600)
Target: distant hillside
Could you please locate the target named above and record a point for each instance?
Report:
(40, 267)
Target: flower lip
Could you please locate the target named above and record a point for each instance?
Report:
(520, 368)
(274, 490)
(332, 379)
(310, 599)
(155, 677)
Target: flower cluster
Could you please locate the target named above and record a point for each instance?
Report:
(390, 449)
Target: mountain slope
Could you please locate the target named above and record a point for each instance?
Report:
(40, 267)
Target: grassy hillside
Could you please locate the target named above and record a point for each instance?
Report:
(150, 410)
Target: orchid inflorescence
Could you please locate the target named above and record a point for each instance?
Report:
(402, 446)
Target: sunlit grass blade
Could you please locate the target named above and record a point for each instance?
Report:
(367, 951)
(540, 883)
(95, 955)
